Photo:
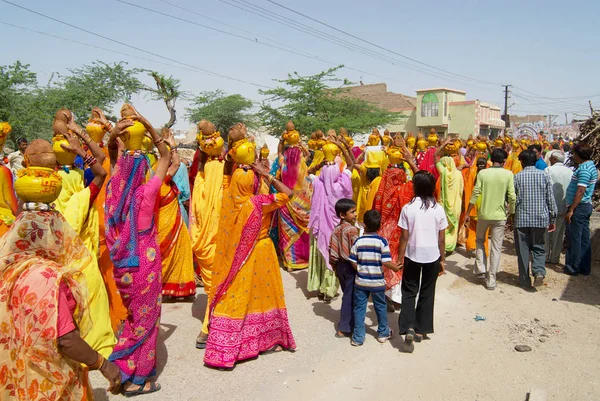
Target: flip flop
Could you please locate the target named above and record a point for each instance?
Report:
(154, 387)
(200, 344)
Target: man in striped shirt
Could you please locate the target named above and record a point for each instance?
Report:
(535, 213)
(369, 254)
(579, 201)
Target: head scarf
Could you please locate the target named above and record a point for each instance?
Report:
(331, 186)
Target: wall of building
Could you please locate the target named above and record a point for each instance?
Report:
(462, 120)
(408, 123)
(444, 99)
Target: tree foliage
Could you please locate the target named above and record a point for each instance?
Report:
(30, 108)
(168, 90)
(319, 102)
(222, 110)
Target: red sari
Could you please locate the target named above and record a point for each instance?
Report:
(394, 192)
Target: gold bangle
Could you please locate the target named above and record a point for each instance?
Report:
(98, 364)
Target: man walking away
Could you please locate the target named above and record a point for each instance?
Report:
(560, 176)
(540, 164)
(535, 212)
(579, 201)
(496, 186)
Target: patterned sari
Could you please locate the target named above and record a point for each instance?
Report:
(175, 246)
(37, 254)
(137, 260)
(247, 306)
(293, 218)
(394, 192)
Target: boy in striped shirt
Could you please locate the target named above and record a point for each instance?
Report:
(369, 255)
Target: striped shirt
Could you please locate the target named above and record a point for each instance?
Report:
(342, 239)
(535, 199)
(369, 253)
(586, 176)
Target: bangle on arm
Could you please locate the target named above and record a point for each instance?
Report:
(159, 141)
(98, 364)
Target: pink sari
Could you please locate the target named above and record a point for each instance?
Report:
(138, 270)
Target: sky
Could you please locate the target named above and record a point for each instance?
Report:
(547, 50)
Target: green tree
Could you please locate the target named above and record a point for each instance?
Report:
(17, 87)
(319, 102)
(222, 110)
(30, 108)
(168, 90)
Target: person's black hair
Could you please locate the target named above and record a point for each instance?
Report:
(535, 146)
(499, 155)
(583, 151)
(343, 206)
(566, 148)
(424, 187)
(372, 220)
(21, 140)
(527, 158)
(481, 160)
(555, 146)
(372, 173)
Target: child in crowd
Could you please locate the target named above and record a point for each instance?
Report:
(342, 239)
(369, 255)
(422, 249)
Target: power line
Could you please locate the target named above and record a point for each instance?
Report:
(134, 47)
(95, 46)
(378, 46)
(558, 98)
(272, 16)
(290, 50)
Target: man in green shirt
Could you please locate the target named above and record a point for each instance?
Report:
(496, 187)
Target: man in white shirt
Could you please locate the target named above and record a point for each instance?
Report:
(560, 175)
(15, 159)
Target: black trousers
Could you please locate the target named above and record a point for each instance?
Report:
(421, 318)
(346, 274)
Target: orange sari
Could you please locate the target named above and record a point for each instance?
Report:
(117, 310)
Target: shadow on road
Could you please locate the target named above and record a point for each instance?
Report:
(162, 355)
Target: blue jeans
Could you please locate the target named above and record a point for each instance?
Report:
(579, 248)
(361, 299)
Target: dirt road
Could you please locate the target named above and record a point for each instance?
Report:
(465, 359)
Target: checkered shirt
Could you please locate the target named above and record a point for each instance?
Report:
(535, 199)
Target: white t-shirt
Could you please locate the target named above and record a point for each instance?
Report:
(423, 229)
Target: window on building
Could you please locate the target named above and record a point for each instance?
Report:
(429, 105)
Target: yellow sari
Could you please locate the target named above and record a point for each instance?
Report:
(205, 210)
(74, 204)
(175, 246)
(452, 186)
(8, 201)
(248, 314)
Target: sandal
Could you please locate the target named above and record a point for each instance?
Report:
(154, 387)
(341, 334)
(274, 349)
(421, 337)
(201, 341)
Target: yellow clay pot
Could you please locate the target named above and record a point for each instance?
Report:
(135, 136)
(63, 157)
(212, 145)
(95, 130)
(38, 184)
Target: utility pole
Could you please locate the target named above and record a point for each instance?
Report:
(505, 116)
